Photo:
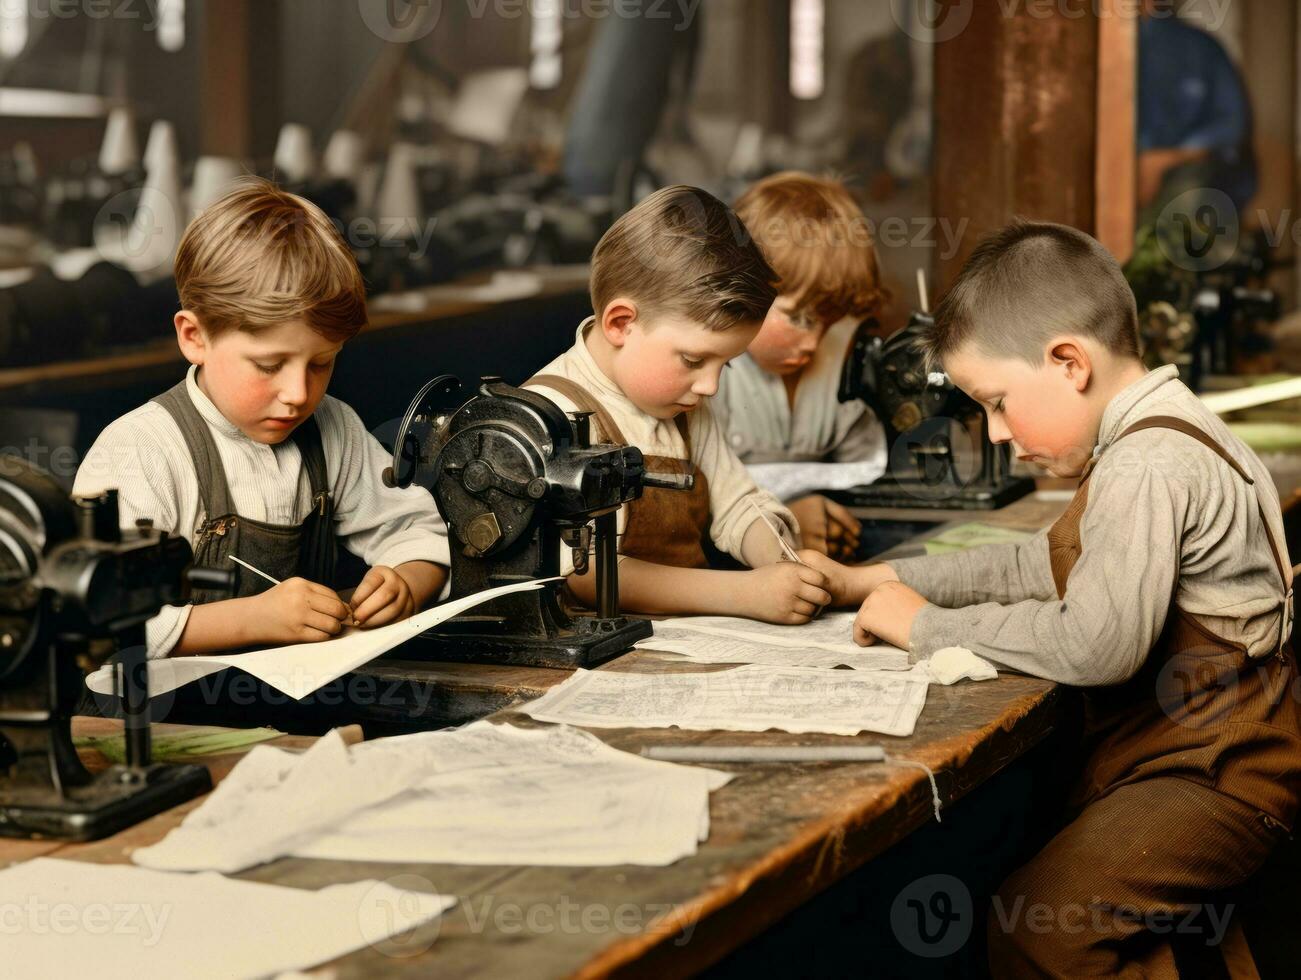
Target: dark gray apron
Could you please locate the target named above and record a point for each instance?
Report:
(308, 550)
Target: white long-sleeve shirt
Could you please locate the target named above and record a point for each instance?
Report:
(1165, 515)
(731, 489)
(144, 456)
(818, 443)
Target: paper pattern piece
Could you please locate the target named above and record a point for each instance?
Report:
(952, 664)
(482, 794)
(116, 922)
(973, 535)
(786, 481)
(301, 668)
(824, 642)
(751, 698)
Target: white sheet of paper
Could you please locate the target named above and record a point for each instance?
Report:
(719, 639)
(786, 481)
(751, 698)
(553, 796)
(301, 668)
(116, 922)
(832, 632)
(482, 794)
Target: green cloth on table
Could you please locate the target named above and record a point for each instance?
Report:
(973, 535)
(184, 745)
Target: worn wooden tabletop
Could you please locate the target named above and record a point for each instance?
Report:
(779, 834)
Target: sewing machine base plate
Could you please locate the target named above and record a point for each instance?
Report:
(117, 798)
(595, 642)
(913, 494)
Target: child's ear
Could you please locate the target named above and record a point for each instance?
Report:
(1072, 358)
(616, 320)
(190, 337)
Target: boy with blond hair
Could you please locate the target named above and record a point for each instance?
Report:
(678, 291)
(779, 402)
(248, 457)
(1164, 590)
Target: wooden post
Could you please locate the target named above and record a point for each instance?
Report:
(1022, 117)
(238, 90)
(1269, 66)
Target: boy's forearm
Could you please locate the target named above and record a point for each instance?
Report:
(860, 580)
(216, 627)
(424, 578)
(663, 590)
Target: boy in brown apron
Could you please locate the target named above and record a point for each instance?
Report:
(679, 289)
(1164, 590)
(249, 459)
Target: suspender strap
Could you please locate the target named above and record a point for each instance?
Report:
(586, 402)
(214, 491)
(1188, 429)
(581, 397)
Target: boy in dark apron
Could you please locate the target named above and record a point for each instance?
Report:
(679, 289)
(250, 460)
(1164, 591)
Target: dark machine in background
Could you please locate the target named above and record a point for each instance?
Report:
(515, 478)
(922, 413)
(1203, 312)
(74, 591)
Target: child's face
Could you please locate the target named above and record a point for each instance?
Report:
(1041, 410)
(667, 365)
(266, 383)
(788, 339)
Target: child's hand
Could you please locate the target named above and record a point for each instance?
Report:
(838, 577)
(383, 597)
(826, 526)
(887, 614)
(299, 611)
(784, 593)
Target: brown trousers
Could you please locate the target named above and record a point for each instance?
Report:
(1131, 878)
(1191, 780)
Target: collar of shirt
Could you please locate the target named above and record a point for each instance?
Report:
(1127, 406)
(212, 414)
(659, 434)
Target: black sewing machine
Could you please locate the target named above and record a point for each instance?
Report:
(75, 590)
(922, 412)
(515, 478)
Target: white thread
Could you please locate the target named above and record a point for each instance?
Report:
(935, 790)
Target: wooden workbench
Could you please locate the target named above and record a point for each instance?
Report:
(779, 834)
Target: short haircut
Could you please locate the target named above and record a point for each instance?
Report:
(817, 238)
(684, 252)
(1028, 283)
(260, 256)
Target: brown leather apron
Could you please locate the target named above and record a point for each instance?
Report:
(664, 527)
(1199, 708)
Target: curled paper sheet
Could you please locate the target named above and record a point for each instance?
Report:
(301, 668)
